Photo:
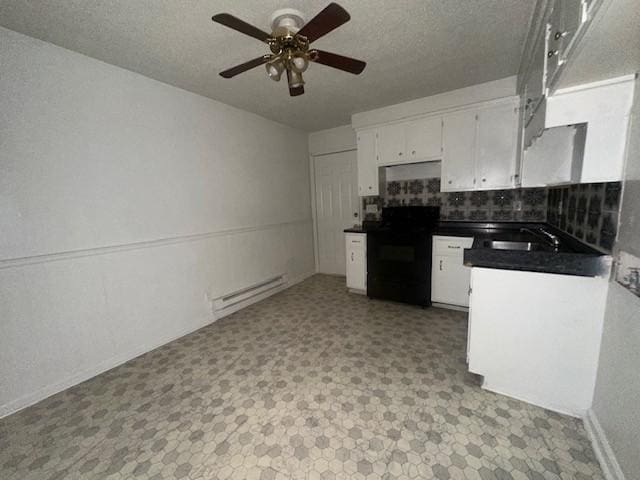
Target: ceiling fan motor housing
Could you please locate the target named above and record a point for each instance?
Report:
(288, 18)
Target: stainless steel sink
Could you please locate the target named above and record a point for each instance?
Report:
(504, 245)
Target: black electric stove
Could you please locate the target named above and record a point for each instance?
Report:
(399, 255)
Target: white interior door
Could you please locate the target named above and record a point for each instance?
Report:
(336, 203)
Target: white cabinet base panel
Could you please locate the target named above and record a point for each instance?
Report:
(449, 307)
(536, 336)
(356, 249)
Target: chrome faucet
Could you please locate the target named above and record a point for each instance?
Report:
(546, 235)
(553, 239)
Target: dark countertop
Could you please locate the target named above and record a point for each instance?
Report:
(573, 257)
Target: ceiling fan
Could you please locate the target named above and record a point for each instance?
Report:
(289, 44)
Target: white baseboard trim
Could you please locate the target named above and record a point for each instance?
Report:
(84, 375)
(562, 409)
(604, 452)
(450, 307)
(23, 402)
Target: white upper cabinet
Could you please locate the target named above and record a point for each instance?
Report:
(424, 139)
(496, 146)
(409, 142)
(391, 144)
(367, 164)
(475, 142)
(459, 140)
(480, 148)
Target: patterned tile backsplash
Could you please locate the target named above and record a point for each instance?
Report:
(586, 211)
(529, 205)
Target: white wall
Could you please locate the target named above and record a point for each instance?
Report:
(615, 418)
(125, 204)
(332, 140)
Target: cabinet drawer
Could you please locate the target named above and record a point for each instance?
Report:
(356, 240)
(451, 246)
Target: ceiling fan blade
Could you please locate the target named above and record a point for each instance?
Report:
(243, 67)
(241, 26)
(340, 62)
(327, 20)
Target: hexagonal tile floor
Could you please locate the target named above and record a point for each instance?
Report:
(311, 383)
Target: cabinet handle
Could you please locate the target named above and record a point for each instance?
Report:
(399, 154)
(558, 35)
(551, 53)
(413, 152)
(440, 265)
(352, 259)
(484, 179)
(449, 181)
(369, 187)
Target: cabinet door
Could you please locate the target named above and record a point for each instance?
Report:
(391, 144)
(458, 159)
(573, 15)
(356, 262)
(450, 281)
(496, 146)
(424, 139)
(535, 84)
(367, 164)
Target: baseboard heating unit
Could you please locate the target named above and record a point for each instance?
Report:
(228, 300)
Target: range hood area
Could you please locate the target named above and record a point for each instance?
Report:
(555, 157)
(579, 135)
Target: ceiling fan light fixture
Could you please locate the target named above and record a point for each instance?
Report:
(295, 79)
(299, 63)
(275, 69)
(289, 42)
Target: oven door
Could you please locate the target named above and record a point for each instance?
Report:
(399, 266)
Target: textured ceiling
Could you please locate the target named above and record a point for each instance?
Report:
(414, 48)
(611, 47)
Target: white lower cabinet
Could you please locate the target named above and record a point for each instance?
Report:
(356, 249)
(531, 340)
(449, 276)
